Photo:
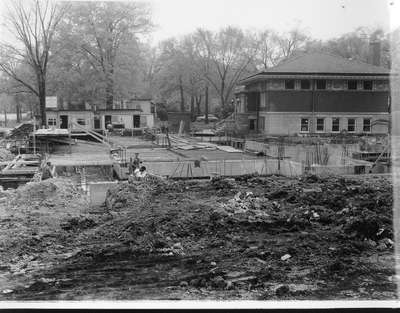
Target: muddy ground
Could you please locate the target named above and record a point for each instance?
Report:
(253, 238)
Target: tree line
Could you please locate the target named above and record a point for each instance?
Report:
(98, 54)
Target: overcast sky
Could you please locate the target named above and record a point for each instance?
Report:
(321, 19)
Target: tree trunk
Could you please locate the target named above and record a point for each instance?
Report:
(18, 107)
(182, 95)
(42, 100)
(192, 113)
(198, 102)
(206, 105)
(109, 94)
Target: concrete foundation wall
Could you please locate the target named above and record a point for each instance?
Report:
(186, 169)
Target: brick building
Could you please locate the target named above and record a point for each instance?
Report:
(315, 93)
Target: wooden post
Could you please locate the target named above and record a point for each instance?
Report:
(34, 135)
(69, 138)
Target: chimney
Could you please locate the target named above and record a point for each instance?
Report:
(375, 52)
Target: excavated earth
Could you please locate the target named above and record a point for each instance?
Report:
(254, 238)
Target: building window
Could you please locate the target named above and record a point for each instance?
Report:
(351, 125)
(320, 124)
(304, 125)
(321, 84)
(138, 107)
(81, 121)
(51, 122)
(289, 84)
(367, 84)
(367, 125)
(352, 85)
(252, 124)
(335, 124)
(305, 84)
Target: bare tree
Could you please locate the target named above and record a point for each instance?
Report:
(101, 29)
(291, 42)
(225, 58)
(268, 53)
(34, 24)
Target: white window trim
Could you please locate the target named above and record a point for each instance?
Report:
(335, 131)
(316, 125)
(370, 124)
(308, 125)
(355, 124)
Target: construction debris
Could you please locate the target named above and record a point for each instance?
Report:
(250, 238)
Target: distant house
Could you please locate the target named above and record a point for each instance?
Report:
(129, 114)
(315, 93)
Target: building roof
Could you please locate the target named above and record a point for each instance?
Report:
(323, 64)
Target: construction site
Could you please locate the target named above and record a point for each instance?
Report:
(189, 150)
(217, 217)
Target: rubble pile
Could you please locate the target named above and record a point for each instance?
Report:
(54, 191)
(246, 238)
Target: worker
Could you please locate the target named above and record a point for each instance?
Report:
(136, 161)
(136, 172)
(142, 172)
(47, 171)
(130, 167)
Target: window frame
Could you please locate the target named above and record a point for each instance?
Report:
(79, 120)
(53, 119)
(368, 81)
(352, 81)
(354, 124)
(323, 125)
(252, 121)
(369, 124)
(290, 81)
(301, 125)
(320, 81)
(333, 119)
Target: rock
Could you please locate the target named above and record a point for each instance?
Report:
(282, 290)
(310, 190)
(219, 282)
(213, 264)
(229, 285)
(381, 246)
(388, 242)
(286, 257)
(184, 284)
(177, 245)
(195, 282)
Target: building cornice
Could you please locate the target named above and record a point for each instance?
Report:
(345, 76)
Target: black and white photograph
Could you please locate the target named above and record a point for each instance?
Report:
(186, 151)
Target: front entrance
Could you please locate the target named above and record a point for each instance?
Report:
(64, 121)
(136, 121)
(107, 120)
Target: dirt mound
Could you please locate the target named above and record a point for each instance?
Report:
(224, 239)
(55, 188)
